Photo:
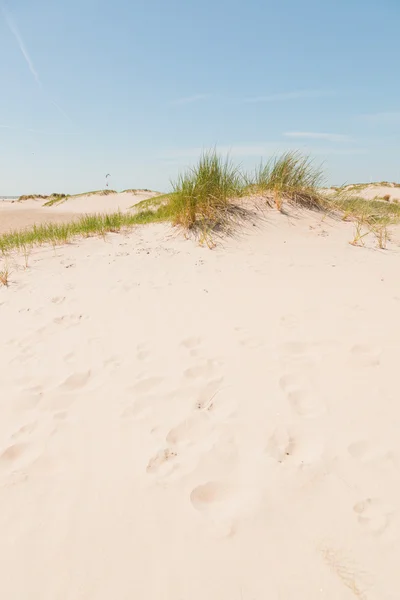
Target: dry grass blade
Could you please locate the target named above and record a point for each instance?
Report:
(4, 276)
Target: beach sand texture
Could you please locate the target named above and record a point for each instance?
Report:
(19, 215)
(179, 423)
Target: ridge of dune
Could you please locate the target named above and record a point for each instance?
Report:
(18, 215)
(184, 423)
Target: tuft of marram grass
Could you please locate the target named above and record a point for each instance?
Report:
(86, 226)
(202, 196)
(292, 177)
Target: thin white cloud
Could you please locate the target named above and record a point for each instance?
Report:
(281, 96)
(389, 118)
(191, 99)
(13, 28)
(310, 135)
(21, 45)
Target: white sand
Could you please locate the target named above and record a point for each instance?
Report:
(372, 191)
(179, 423)
(18, 215)
(379, 191)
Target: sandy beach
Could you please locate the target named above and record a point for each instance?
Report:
(181, 423)
(19, 215)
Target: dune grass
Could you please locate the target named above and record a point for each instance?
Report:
(292, 177)
(136, 191)
(56, 199)
(86, 226)
(203, 196)
(369, 217)
(355, 207)
(206, 199)
(105, 192)
(151, 203)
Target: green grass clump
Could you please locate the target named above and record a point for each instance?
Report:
(105, 192)
(85, 226)
(375, 210)
(291, 177)
(202, 196)
(136, 191)
(32, 197)
(56, 199)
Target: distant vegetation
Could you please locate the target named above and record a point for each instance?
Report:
(208, 198)
(61, 233)
(55, 197)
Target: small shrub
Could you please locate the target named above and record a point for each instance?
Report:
(386, 197)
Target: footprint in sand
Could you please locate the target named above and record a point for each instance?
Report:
(366, 355)
(75, 381)
(365, 451)
(113, 362)
(142, 352)
(373, 515)
(304, 404)
(303, 451)
(25, 430)
(220, 504)
(190, 431)
(17, 457)
(142, 408)
(301, 354)
(213, 497)
(280, 445)
(146, 385)
(162, 462)
(191, 343)
(205, 370)
(69, 320)
(302, 401)
(30, 397)
(205, 400)
(252, 342)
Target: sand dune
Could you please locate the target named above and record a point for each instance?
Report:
(184, 423)
(373, 191)
(17, 215)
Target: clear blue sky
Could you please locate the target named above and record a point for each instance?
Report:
(136, 88)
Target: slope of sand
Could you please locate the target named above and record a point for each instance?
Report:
(379, 191)
(18, 215)
(371, 191)
(180, 423)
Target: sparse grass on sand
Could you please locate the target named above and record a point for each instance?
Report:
(207, 199)
(355, 207)
(55, 198)
(86, 226)
(292, 177)
(369, 217)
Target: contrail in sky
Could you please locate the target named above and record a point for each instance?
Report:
(18, 38)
